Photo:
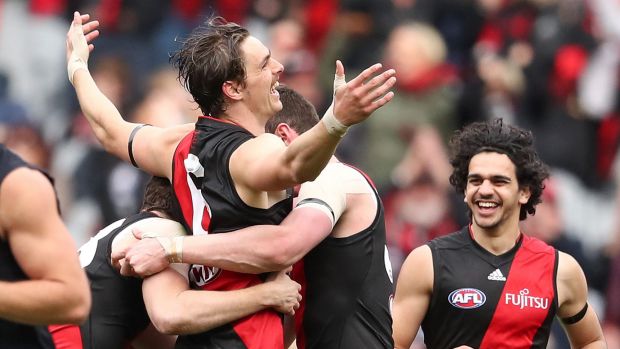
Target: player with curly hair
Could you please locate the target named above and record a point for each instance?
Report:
(489, 285)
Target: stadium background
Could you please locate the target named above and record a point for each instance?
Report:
(551, 66)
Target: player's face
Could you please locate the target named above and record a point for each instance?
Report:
(263, 72)
(492, 193)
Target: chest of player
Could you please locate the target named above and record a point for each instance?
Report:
(477, 296)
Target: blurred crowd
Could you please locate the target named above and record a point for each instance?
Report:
(551, 66)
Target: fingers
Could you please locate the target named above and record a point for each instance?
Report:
(382, 89)
(365, 75)
(92, 36)
(381, 101)
(90, 26)
(77, 19)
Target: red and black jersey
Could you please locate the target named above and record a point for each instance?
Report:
(488, 301)
(347, 290)
(14, 335)
(210, 205)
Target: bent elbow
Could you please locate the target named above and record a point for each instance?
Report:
(167, 322)
(77, 311)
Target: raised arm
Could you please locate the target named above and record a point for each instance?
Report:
(175, 309)
(264, 164)
(112, 131)
(412, 297)
(577, 316)
(57, 290)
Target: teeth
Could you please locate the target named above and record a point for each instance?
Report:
(487, 204)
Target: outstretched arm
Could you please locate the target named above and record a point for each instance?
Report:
(256, 249)
(175, 309)
(265, 164)
(108, 125)
(57, 290)
(578, 318)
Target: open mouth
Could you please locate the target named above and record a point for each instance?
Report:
(274, 90)
(486, 206)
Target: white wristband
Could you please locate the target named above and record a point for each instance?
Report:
(75, 63)
(333, 126)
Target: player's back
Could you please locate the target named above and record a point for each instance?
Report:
(347, 284)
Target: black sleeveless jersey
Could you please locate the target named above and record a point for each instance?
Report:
(118, 313)
(210, 204)
(347, 291)
(487, 301)
(14, 335)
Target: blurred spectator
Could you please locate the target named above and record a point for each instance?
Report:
(300, 66)
(425, 95)
(166, 102)
(421, 207)
(32, 35)
(495, 92)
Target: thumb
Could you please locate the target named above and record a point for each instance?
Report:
(339, 78)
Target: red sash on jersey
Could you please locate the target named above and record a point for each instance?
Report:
(527, 298)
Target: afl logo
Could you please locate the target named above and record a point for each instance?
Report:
(467, 298)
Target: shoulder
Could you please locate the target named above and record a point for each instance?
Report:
(418, 267)
(568, 267)
(536, 246)
(27, 185)
(454, 240)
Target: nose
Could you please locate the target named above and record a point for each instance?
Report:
(486, 188)
(278, 68)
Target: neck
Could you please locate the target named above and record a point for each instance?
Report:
(244, 118)
(498, 240)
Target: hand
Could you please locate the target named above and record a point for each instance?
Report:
(144, 258)
(283, 293)
(357, 99)
(79, 37)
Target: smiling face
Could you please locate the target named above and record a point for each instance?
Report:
(263, 72)
(493, 194)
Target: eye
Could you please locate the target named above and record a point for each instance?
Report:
(474, 181)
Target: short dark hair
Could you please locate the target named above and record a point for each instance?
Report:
(514, 142)
(297, 112)
(159, 196)
(210, 56)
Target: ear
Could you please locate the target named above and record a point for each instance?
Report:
(524, 195)
(285, 132)
(232, 90)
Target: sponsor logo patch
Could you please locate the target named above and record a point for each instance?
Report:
(467, 298)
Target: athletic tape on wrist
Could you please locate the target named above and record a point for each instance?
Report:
(173, 248)
(333, 126)
(75, 64)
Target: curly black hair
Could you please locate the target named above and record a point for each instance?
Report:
(210, 56)
(514, 142)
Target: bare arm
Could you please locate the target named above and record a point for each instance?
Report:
(265, 164)
(57, 291)
(175, 309)
(256, 249)
(572, 295)
(109, 127)
(412, 297)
